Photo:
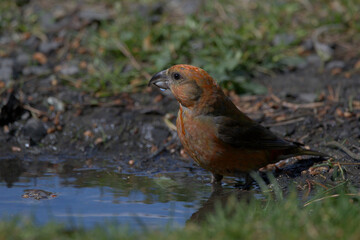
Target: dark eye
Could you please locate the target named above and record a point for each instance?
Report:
(177, 76)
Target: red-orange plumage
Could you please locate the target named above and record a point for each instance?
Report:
(214, 132)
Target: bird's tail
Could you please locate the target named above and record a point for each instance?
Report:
(313, 153)
(299, 151)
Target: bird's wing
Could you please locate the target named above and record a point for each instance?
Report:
(248, 134)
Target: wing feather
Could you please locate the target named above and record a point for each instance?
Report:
(248, 134)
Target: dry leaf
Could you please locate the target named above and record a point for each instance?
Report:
(15, 149)
(83, 65)
(336, 71)
(51, 130)
(88, 133)
(98, 141)
(40, 58)
(348, 114)
(357, 65)
(339, 112)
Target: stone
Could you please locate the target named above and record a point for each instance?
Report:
(35, 130)
(22, 59)
(47, 47)
(283, 39)
(57, 103)
(307, 97)
(69, 70)
(6, 74)
(335, 64)
(35, 70)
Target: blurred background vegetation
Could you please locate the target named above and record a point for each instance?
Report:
(126, 41)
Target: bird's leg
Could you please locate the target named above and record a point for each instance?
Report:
(248, 181)
(216, 178)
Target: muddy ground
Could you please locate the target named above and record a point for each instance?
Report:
(129, 131)
(48, 123)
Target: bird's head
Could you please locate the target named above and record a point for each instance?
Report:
(190, 85)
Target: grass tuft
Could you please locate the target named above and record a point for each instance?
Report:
(234, 41)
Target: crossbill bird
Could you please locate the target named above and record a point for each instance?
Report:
(214, 132)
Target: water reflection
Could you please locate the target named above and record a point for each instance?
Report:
(86, 194)
(221, 197)
(10, 170)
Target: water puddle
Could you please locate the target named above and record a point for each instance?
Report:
(85, 196)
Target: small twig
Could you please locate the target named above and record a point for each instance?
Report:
(309, 189)
(124, 49)
(331, 95)
(304, 105)
(301, 139)
(247, 98)
(275, 98)
(169, 124)
(34, 110)
(331, 196)
(337, 93)
(351, 103)
(357, 147)
(320, 184)
(221, 10)
(331, 189)
(296, 106)
(345, 149)
(286, 122)
(355, 104)
(341, 170)
(344, 163)
(114, 103)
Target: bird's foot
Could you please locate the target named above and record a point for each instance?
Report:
(216, 178)
(248, 183)
(216, 182)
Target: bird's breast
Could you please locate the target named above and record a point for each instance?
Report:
(198, 135)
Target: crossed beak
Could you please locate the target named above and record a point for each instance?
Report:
(160, 80)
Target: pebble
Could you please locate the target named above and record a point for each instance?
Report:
(314, 60)
(335, 64)
(94, 14)
(47, 47)
(57, 103)
(35, 70)
(6, 62)
(35, 129)
(22, 59)
(283, 39)
(6, 69)
(69, 70)
(307, 97)
(308, 44)
(6, 73)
